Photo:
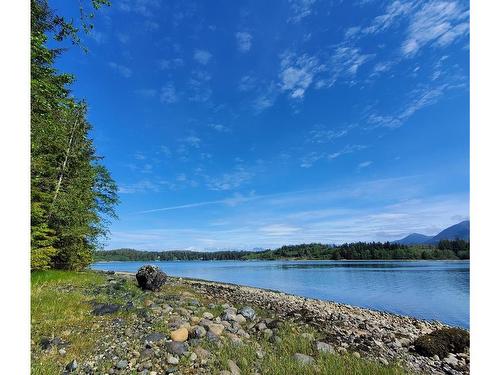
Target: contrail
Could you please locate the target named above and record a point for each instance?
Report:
(190, 205)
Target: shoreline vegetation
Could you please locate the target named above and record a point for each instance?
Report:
(101, 322)
(444, 250)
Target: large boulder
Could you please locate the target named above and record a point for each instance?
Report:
(150, 278)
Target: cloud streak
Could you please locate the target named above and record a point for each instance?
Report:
(404, 213)
(201, 56)
(438, 23)
(244, 41)
(123, 70)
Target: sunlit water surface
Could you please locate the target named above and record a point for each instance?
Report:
(424, 289)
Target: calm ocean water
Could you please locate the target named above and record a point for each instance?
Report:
(425, 289)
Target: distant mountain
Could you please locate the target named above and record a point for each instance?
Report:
(460, 231)
(413, 239)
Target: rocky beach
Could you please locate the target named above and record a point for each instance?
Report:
(187, 326)
(381, 336)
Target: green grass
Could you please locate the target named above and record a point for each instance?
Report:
(61, 306)
(56, 313)
(278, 358)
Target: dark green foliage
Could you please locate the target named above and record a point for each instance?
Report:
(461, 248)
(442, 341)
(135, 255)
(348, 251)
(71, 192)
(356, 251)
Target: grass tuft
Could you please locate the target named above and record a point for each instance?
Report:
(278, 358)
(61, 304)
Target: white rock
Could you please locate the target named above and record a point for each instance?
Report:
(451, 360)
(172, 360)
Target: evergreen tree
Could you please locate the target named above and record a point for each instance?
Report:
(72, 193)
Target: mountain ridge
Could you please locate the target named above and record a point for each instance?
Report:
(459, 231)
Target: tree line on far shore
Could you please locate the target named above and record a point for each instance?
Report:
(137, 255)
(445, 249)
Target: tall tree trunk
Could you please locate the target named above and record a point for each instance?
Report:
(65, 162)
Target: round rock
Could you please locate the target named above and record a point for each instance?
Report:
(180, 334)
(303, 358)
(248, 312)
(151, 278)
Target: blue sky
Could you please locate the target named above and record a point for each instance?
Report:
(253, 124)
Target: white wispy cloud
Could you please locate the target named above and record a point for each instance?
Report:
(382, 66)
(146, 8)
(97, 36)
(244, 40)
(343, 63)
(247, 83)
(231, 201)
(311, 158)
(165, 150)
(321, 135)
(365, 164)
(300, 9)
(352, 32)
(437, 23)
(151, 25)
(166, 64)
(168, 94)
(189, 148)
(123, 38)
(308, 160)
(419, 98)
(139, 156)
(230, 181)
(393, 12)
(122, 69)
(202, 56)
(220, 128)
(147, 168)
(182, 206)
(301, 217)
(279, 230)
(141, 186)
(193, 141)
(265, 98)
(297, 74)
(434, 23)
(198, 85)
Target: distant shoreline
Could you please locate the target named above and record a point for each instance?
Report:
(288, 259)
(355, 251)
